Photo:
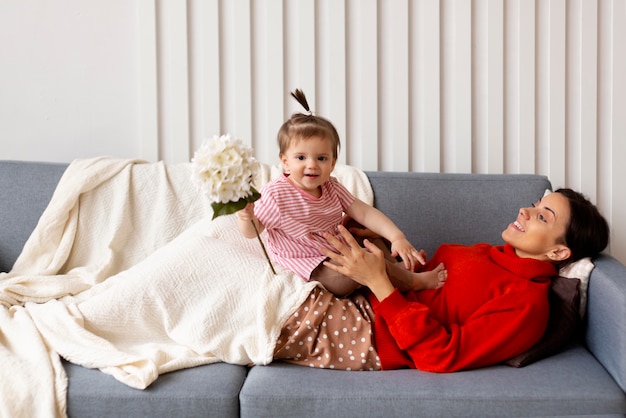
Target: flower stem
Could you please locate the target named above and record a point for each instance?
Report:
(263, 247)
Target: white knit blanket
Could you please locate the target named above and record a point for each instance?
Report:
(126, 272)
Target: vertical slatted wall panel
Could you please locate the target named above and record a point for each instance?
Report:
(149, 124)
(205, 86)
(393, 84)
(362, 144)
(488, 93)
(617, 140)
(520, 88)
(173, 78)
(331, 63)
(424, 88)
(267, 77)
(514, 86)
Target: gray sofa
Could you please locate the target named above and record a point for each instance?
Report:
(588, 378)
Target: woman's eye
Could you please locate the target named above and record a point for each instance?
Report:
(542, 218)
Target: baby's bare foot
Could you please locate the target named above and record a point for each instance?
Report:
(433, 279)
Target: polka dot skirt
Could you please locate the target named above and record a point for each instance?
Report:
(328, 332)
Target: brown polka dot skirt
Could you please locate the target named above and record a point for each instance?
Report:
(328, 332)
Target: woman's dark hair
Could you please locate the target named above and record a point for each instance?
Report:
(306, 125)
(588, 232)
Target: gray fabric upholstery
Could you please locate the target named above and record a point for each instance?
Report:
(25, 190)
(606, 316)
(203, 391)
(433, 209)
(585, 380)
(571, 383)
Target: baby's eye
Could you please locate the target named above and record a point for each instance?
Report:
(322, 158)
(300, 157)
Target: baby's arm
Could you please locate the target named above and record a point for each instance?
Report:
(245, 217)
(378, 222)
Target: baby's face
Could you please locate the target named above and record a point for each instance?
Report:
(309, 162)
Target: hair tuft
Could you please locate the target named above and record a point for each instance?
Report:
(301, 98)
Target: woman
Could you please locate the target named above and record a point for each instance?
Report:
(493, 306)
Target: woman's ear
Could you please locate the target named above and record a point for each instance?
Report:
(559, 253)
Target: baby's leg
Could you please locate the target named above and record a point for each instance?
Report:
(384, 247)
(405, 280)
(336, 283)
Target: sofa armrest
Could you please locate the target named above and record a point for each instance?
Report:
(606, 316)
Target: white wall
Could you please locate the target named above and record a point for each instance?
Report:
(486, 86)
(69, 74)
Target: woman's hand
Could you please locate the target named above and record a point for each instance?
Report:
(366, 266)
(413, 259)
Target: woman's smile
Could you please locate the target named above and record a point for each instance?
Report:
(518, 226)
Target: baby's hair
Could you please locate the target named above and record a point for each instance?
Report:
(303, 126)
(301, 98)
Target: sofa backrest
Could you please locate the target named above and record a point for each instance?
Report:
(436, 208)
(431, 208)
(25, 191)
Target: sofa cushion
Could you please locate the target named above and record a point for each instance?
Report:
(211, 390)
(572, 383)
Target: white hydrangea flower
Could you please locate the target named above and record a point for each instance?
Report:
(223, 169)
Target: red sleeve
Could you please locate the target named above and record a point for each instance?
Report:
(502, 328)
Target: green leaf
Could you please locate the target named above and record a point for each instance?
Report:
(229, 208)
(254, 196)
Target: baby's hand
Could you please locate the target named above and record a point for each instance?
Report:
(412, 258)
(246, 214)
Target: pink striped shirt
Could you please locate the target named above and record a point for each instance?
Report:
(294, 221)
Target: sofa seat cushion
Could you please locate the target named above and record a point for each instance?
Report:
(211, 390)
(571, 383)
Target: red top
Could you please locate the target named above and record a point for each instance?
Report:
(493, 306)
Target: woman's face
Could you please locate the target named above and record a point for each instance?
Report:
(539, 230)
